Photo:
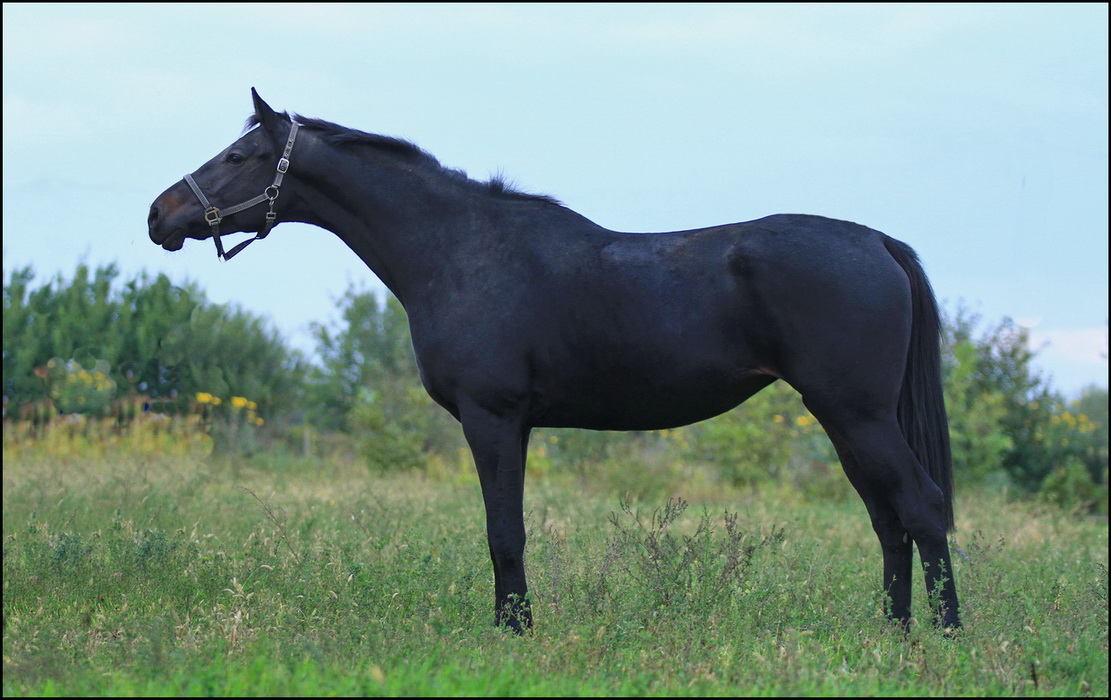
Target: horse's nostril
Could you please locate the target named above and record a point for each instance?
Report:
(153, 216)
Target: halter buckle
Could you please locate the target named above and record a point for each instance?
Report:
(212, 216)
(283, 165)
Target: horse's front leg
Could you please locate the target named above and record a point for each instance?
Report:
(498, 445)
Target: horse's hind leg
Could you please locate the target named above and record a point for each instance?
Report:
(895, 542)
(904, 503)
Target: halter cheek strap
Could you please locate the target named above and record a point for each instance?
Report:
(213, 215)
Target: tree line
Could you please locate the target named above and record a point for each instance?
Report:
(88, 343)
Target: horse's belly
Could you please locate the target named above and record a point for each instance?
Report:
(645, 404)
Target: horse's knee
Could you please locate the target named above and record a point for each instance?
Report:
(506, 560)
(507, 549)
(893, 539)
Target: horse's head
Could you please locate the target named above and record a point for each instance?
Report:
(235, 191)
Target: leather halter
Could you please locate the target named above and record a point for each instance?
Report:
(213, 215)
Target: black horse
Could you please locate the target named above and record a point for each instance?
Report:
(525, 314)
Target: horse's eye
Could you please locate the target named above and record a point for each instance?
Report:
(235, 158)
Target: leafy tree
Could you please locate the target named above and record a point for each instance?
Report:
(976, 410)
(155, 325)
(1006, 417)
(152, 338)
(369, 385)
(372, 344)
(1092, 405)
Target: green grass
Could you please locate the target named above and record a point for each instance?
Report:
(178, 577)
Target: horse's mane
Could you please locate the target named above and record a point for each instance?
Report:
(341, 136)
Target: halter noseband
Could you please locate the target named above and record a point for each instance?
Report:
(213, 216)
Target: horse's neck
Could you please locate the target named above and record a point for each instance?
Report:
(414, 226)
(406, 223)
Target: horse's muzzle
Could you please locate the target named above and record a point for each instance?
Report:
(152, 218)
(159, 222)
(159, 234)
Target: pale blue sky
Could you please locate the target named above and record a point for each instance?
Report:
(975, 133)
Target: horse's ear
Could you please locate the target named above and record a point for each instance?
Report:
(267, 117)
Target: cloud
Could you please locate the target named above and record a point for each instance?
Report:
(1083, 345)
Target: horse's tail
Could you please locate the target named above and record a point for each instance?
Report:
(921, 403)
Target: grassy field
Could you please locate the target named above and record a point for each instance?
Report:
(288, 577)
